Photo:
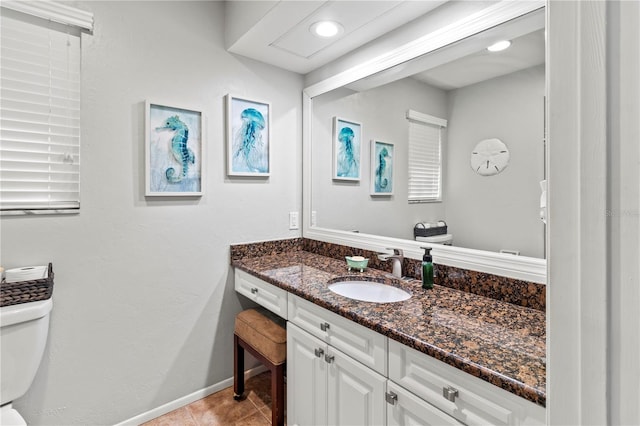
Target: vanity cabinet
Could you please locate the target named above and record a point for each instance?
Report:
(326, 386)
(336, 369)
(261, 292)
(340, 372)
(406, 409)
(468, 399)
(358, 342)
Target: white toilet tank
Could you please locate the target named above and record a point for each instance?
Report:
(446, 239)
(23, 333)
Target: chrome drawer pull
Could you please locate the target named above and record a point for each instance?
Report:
(319, 352)
(324, 327)
(254, 290)
(329, 358)
(450, 393)
(391, 398)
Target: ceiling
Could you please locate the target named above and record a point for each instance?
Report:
(277, 33)
(525, 52)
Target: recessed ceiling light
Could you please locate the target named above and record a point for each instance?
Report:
(326, 29)
(499, 46)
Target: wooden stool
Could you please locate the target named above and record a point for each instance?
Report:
(258, 332)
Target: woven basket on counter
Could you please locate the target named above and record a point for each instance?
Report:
(27, 291)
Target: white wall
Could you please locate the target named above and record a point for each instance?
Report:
(143, 297)
(348, 205)
(501, 211)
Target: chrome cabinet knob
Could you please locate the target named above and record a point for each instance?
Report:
(324, 327)
(450, 393)
(319, 352)
(391, 398)
(254, 290)
(329, 358)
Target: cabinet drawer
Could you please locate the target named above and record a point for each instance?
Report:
(409, 410)
(477, 403)
(261, 292)
(355, 340)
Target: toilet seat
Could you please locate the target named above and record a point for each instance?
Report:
(10, 417)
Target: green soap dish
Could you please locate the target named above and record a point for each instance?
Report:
(357, 262)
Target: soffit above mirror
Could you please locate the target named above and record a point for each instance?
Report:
(277, 32)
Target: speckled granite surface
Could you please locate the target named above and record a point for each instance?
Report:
(519, 292)
(498, 342)
(523, 293)
(265, 248)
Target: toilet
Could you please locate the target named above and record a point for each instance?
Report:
(446, 239)
(23, 333)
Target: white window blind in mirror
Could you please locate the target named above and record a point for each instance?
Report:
(425, 157)
(39, 113)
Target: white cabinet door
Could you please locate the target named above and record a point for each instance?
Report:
(271, 297)
(355, 392)
(306, 378)
(409, 410)
(355, 340)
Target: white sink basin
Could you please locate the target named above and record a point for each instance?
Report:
(369, 291)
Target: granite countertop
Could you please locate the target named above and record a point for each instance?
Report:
(501, 343)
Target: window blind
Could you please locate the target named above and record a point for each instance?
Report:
(425, 157)
(39, 114)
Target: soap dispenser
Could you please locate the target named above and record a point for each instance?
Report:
(427, 268)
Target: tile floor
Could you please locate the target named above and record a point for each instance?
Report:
(221, 409)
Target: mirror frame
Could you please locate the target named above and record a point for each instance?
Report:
(517, 267)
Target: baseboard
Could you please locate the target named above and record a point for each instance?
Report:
(187, 399)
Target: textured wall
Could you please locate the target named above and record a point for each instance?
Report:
(143, 300)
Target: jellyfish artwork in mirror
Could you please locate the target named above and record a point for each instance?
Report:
(346, 148)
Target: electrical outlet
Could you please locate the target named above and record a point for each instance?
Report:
(293, 220)
(314, 217)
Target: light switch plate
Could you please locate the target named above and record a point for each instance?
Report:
(293, 220)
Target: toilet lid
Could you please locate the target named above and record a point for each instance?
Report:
(436, 238)
(10, 417)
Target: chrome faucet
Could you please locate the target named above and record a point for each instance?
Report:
(397, 257)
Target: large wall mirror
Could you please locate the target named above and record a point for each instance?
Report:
(480, 95)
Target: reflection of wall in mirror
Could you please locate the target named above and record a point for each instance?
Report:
(499, 212)
(349, 205)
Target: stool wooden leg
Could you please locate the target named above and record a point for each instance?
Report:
(238, 369)
(277, 395)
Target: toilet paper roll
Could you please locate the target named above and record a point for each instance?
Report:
(26, 273)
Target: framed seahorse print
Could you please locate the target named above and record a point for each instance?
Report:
(347, 146)
(174, 151)
(248, 137)
(382, 162)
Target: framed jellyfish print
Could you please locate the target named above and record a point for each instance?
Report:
(173, 151)
(382, 159)
(248, 137)
(347, 145)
